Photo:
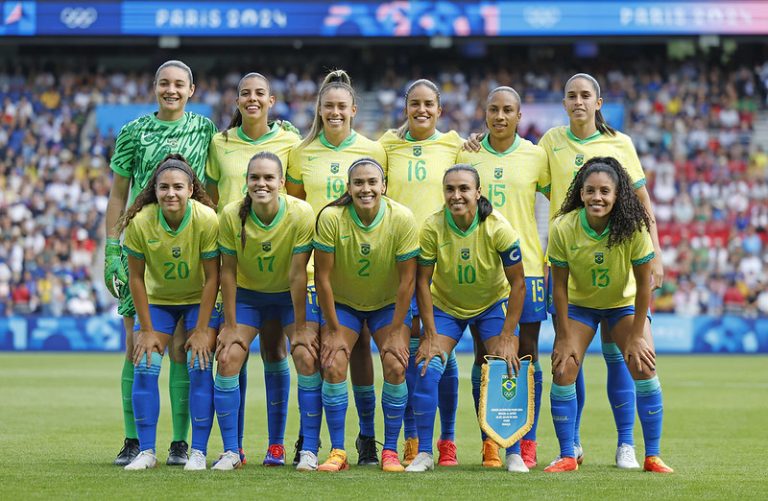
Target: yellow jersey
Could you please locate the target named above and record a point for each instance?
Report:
(364, 275)
(173, 272)
(510, 180)
(263, 265)
(469, 275)
(599, 277)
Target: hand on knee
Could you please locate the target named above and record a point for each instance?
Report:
(304, 361)
(394, 370)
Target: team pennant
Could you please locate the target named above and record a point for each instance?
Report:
(506, 405)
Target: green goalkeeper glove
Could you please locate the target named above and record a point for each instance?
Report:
(115, 276)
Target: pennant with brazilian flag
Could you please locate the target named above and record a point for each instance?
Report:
(506, 405)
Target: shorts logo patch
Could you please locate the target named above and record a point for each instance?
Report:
(599, 259)
(365, 249)
(508, 387)
(498, 172)
(266, 246)
(335, 167)
(465, 254)
(579, 160)
(417, 151)
(176, 252)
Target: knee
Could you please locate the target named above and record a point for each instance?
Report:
(232, 363)
(394, 370)
(337, 372)
(569, 374)
(304, 361)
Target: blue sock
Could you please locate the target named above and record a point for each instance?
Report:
(146, 400)
(448, 398)
(537, 388)
(514, 448)
(277, 380)
(335, 402)
(411, 375)
(563, 404)
(241, 410)
(621, 393)
(476, 377)
(393, 400)
(365, 401)
(311, 410)
(226, 400)
(581, 399)
(200, 403)
(651, 412)
(425, 402)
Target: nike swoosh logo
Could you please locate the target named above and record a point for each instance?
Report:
(343, 237)
(620, 405)
(139, 420)
(227, 152)
(575, 247)
(276, 403)
(418, 413)
(200, 420)
(153, 241)
(555, 149)
(224, 415)
(310, 158)
(651, 413)
(396, 416)
(313, 414)
(539, 308)
(443, 245)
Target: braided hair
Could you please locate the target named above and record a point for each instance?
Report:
(628, 214)
(245, 206)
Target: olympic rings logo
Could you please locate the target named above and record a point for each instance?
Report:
(78, 17)
(542, 17)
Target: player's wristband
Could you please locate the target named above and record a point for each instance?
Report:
(113, 247)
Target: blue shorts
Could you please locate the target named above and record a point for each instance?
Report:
(253, 308)
(550, 299)
(353, 319)
(489, 323)
(535, 304)
(166, 316)
(414, 306)
(313, 307)
(591, 317)
(217, 316)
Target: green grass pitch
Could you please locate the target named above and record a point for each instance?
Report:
(61, 426)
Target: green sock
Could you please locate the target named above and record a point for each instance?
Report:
(126, 388)
(178, 387)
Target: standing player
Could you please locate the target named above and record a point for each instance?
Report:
(316, 174)
(511, 171)
(470, 272)
(365, 265)
(173, 262)
(568, 149)
(141, 145)
(598, 241)
(265, 240)
(418, 155)
(250, 132)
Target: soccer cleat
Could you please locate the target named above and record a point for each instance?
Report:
(143, 461)
(241, 452)
(410, 449)
(447, 450)
(297, 450)
(491, 457)
(579, 451)
(129, 451)
(656, 465)
(516, 464)
(337, 461)
(367, 452)
(196, 461)
(307, 461)
(421, 463)
(625, 457)
(227, 461)
(177, 453)
(275, 455)
(561, 464)
(528, 452)
(389, 461)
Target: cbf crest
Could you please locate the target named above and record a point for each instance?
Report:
(465, 254)
(508, 387)
(266, 246)
(579, 160)
(599, 258)
(335, 167)
(365, 249)
(417, 151)
(498, 172)
(176, 252)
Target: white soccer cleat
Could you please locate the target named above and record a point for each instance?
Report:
(307, 461)
(227, 461)
(625, 457)
(421, 463)
(196, 461)
(145, 460)
(516, 464)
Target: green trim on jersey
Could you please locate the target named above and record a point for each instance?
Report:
(588, 229)
(376, 220)
(182, 225)
(293, 180)
(209, 255)
(407, 256)
(264, 137)
(317, 245)
(167, 123)
(452, 224)
(427, 262)
(348, 141)
(643, 260)
(228, 252)
(486, 143)
(544, 190)
(302, 249)
(278, 217)
(131, 252)
(639, 183)
(586, 140)
(559, 264)
(409, 137)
